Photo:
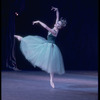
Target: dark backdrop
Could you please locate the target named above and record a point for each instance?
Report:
(78, 41)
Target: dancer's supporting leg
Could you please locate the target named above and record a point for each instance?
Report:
(51, 80)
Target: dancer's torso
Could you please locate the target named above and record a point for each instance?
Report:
(51, 38)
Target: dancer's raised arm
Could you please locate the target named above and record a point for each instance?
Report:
(45, 26)
(57, 14)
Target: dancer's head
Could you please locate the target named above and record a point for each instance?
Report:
(61, 23)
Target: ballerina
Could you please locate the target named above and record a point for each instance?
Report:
(44, 53)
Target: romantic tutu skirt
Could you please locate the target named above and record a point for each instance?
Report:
(43, 54)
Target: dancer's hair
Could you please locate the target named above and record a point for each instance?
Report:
(63, 21)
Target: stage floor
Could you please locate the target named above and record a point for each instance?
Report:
(34, 85)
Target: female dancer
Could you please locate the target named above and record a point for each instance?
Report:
(42, 52)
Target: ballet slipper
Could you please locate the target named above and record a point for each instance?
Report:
(52, 84)
(18, 37)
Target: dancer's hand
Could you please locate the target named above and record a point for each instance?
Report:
(35, 22)
(54, 8)
(16, 13)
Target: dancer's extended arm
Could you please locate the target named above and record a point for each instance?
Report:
(57, 14)
(45, 26)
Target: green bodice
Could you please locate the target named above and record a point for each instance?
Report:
(51, 38)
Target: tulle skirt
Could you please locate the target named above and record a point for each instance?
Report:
(43, 54)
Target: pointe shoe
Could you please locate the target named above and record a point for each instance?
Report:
(13, 68)
(18, 37)
(52, 84)
(16, 69)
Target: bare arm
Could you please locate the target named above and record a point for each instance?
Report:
(45, 26)
(57, 14)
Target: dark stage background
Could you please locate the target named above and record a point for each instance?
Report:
(78, 41)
